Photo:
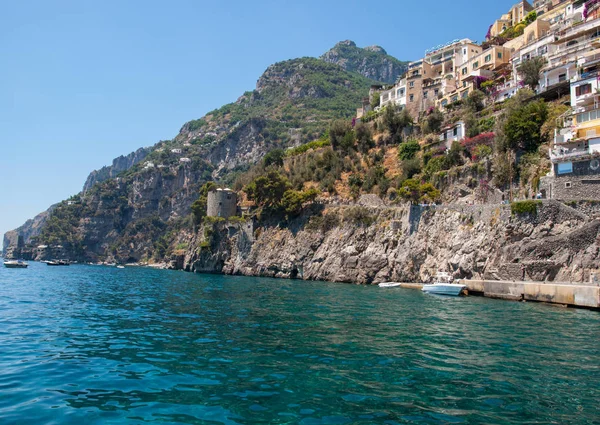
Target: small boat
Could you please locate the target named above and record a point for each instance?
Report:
(16, 264)
(443, 285)
(389, 284)
(120, 267)
(58, 263)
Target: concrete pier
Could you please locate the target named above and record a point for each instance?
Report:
(576, 295)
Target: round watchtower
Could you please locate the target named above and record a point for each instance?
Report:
(221, 203)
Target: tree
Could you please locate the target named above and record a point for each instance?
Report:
(274, 157)
(411, 167)
(408, 150)
(410, 191)
(293, 200)
(364, 137)
(414, 192)
(433, 122)
(475, 101)
(199, 205)
(429, 193)
(341, 135)
(395, 122)
(267, 190)
(454, 156)
(531, 70)
(375, 100)
(523, 126)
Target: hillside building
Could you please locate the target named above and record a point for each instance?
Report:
(575, 154)
(516, 14)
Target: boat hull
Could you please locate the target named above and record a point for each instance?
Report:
(389, 285)
(15, 266)
(451, 289)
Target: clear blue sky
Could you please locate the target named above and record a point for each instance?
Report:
(84, 81)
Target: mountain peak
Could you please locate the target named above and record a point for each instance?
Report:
(372, 62)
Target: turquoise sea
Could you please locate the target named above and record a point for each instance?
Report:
(100, 345)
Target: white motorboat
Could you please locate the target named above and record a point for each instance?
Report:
(443, 285)
(389, 284)
(16, 264)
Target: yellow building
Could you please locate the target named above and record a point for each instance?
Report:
(515, 15)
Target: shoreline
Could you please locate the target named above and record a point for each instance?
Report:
(566, 294)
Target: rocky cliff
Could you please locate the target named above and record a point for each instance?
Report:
(372, 62)
(30, 229)
(407, 244)
(133, 208)
(119, 165)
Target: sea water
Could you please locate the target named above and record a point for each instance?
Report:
(101, 345)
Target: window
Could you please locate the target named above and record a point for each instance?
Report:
(562, 77)
(588, 116)
(425, 95)
(412, 84)
(568, 185)
(488, 58)
(584, 89)
(565, 168)
(464, 71)
(464, 51)
(476, 65)
(400, 92)
(454, 98)
(412, 97)
(500, 54)
(465, 94)
(464, 84)
(456, 131)
(444, 102)
(436, 92)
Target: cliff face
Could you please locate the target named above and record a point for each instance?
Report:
(407, 245)
(30, 229)
(120, 164)
(372, 62)
(130, 210)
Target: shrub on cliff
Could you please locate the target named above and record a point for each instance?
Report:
(274, 157)
(341, 135)
(433, 122)
(267, 190)
(408, 150)
(525, 207)
(293, 200)
(199, 205)
(415, 192)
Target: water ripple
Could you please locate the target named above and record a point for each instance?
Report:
(99, 345)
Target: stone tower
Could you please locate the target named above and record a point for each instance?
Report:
(221, 203)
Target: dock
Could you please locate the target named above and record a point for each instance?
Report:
(563, 293)
(560, 293)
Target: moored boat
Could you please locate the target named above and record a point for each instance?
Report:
(58, 263)
(16, 264)
(389, 284)
(444, 285)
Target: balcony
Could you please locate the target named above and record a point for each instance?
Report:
(560, 154)
(586, 76)
(576, 31)
(564, 135)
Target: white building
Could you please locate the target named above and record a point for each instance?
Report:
(176, 151)
(453, 133)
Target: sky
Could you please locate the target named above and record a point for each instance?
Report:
(84, 81)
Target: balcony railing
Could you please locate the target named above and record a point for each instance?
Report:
(576, 29)
(586, 76)
(558, 154)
